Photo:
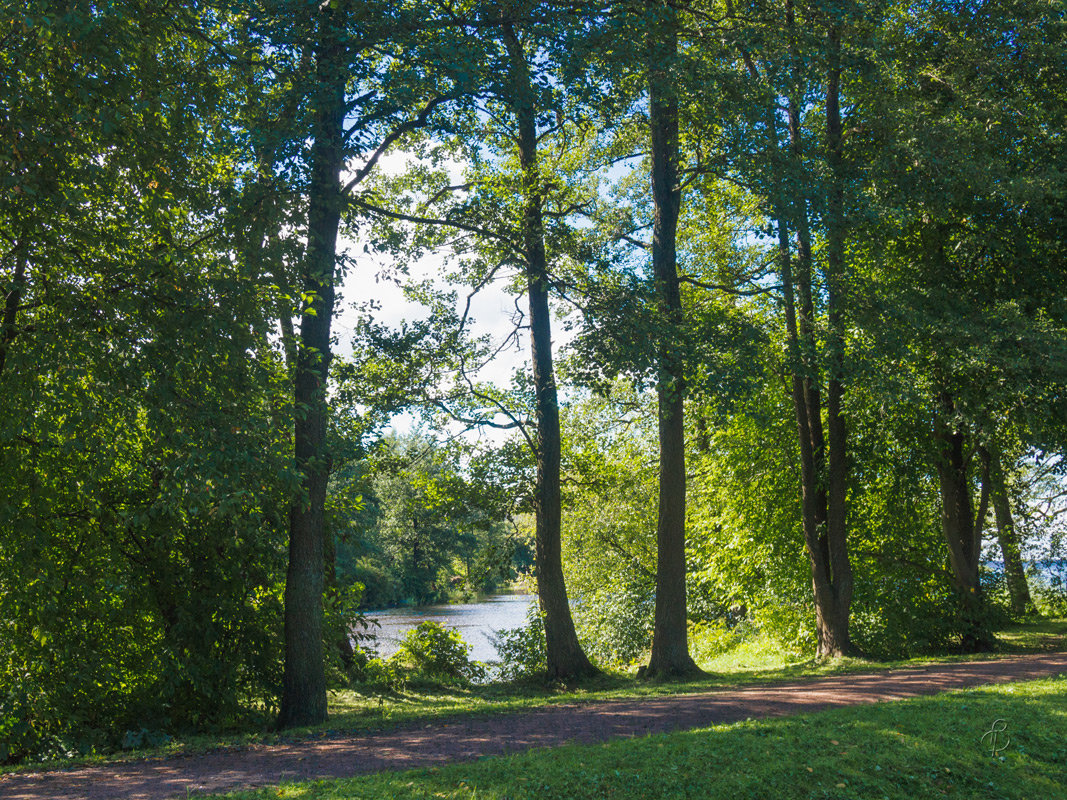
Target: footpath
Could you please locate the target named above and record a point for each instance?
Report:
(468, 738)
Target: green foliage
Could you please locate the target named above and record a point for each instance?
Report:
(437, 654)
(708, 640)
(144, 478)
(154, 200)
(433, 528)
(388, 674)
(522, 651)
(344, 623)
(379, 582)
(609, 524)
(1050, 591)
(745, 538)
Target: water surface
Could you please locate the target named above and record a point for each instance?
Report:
(475, 622)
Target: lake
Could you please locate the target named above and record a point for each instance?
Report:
(475, 622)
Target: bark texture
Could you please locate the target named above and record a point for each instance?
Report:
(670, 641)
(304, 684)
(1007, 537)
(566, 659)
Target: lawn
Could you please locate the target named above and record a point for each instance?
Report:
(352, 710)
(356, 709)
(931, 747)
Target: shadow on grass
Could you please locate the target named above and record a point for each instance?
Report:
(355, 711)
(946, 746)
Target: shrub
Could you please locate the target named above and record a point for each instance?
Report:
(345, 630)
(790, 624)
(384, 674)
(522, 650)
(438, 654)
(615, 621)
(380, 589)
(710, 639)
(1048, 586)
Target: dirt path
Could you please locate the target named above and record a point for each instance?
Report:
(460, 739)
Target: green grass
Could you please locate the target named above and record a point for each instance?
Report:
(924, 748)
(749, 663)
(754, 662)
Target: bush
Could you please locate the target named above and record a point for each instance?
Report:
(438, 654)
(522, 650)
(710, 639)
(384, 674)
(345, 629)
(791, 625)
(380, 589)
(27, 726)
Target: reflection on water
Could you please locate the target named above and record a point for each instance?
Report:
(475, 622)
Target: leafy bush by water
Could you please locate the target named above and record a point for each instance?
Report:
(522, 650)
(434, 653)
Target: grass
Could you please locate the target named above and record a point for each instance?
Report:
(353, 710)
(749, 663)
(932, 747)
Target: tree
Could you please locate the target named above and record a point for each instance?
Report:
(362, 101)
(565, 658)
(795, 55)
(670, 650)
(142, 467)
(993, 477)
(515, 97)
(971, 293)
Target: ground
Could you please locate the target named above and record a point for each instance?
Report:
(469, 737)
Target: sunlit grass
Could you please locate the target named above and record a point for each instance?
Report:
(908, 750)
(755, 660)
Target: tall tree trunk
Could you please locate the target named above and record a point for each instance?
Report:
(809, 359)
(960, 526)
(830, 568)
(304, 685)
(1007, 538)
(790, 211)
(670, 641)
(566, 659)
(812, 496)
(833, 592)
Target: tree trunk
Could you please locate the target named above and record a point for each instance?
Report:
(961, 527)
(304, 684)
(1018, 590)
(833, 590)
(566, 659)
(825, 544)
(670, 642)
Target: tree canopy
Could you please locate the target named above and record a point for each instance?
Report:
(787, 330)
